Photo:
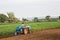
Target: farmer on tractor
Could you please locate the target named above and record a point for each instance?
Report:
(20, 29)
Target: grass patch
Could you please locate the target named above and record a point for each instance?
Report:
(6, 29)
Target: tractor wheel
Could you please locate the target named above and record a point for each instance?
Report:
(25, 31)
(15, 33)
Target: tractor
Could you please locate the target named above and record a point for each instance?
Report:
(22, 30)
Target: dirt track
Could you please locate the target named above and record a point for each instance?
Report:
(50, 34)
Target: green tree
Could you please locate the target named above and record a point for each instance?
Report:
(59, 17)
(36, 19)
(3, 18)
(24, 19)
(12, 18)
(11, 15)
(48, 18)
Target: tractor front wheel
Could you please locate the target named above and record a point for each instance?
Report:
(15, 33)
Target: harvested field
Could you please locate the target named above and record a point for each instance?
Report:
(49, 34)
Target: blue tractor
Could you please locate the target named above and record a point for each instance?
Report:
(22, 30)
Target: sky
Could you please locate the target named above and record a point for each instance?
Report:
(30, 8)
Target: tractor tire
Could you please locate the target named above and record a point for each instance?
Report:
(15, 33)
(25, 31)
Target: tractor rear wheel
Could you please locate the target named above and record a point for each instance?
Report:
(25, 30)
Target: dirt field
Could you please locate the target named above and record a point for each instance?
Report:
(49, 34)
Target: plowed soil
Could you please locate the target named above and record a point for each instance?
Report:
(49, 34)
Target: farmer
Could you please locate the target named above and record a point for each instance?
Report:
(28, 29)
(19, 28)
(23, 25)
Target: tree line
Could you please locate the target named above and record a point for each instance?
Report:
(12, 19)
(47, 19)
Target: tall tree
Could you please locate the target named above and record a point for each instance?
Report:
(3, 18)
(11, 15)
(12, 18)
(35, 19)
(48, 18)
